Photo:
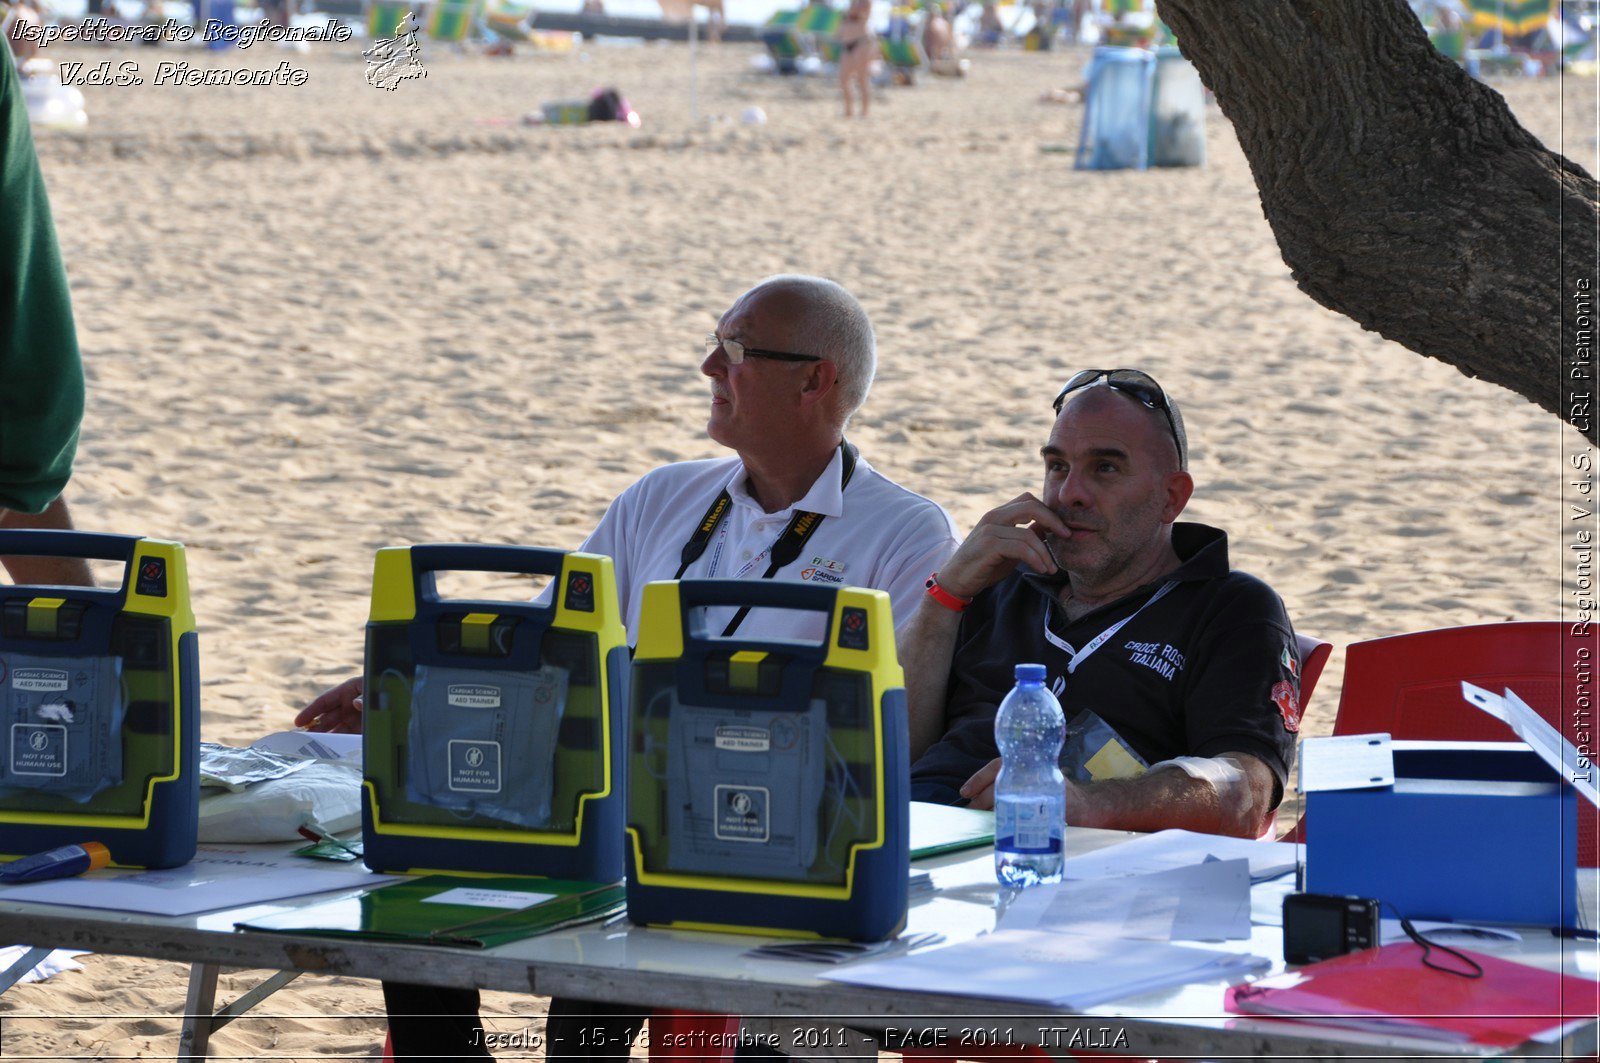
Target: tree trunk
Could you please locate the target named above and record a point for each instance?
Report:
(1403, 193)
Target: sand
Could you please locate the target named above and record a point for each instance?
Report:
(323, 319)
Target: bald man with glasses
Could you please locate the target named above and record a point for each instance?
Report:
(789, 364)
(1180, 674)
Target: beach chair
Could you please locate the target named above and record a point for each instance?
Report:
(451, 21)
(383, 17)
(902, 56)
(508, 19)
(782, 42)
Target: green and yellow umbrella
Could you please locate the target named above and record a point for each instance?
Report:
(819, 19)
(1514, 18)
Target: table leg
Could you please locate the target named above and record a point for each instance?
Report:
(196, 1035)
(28, 962)
(199, 1023)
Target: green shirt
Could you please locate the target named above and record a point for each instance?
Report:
(41, 379)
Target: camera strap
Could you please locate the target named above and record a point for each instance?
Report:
(785, 550)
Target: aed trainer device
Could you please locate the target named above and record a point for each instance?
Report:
(1319, 926)
(99, 704)
(768, 779)
(492, 730)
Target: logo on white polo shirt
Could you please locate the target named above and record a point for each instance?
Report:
(823, 570)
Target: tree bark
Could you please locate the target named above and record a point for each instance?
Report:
(1403, 193)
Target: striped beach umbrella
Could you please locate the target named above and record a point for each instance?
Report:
(819, 19)
(1513, 18)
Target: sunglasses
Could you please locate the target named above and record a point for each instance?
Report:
(736, 352)
(1139, 386)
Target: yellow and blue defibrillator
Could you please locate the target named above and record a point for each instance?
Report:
(768, 780)
(492, 736)
(99, 704)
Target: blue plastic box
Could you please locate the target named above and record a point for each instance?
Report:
(1475, 831)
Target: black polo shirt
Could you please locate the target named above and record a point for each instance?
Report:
(1209, 667)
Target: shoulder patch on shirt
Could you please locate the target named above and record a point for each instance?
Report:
(1286, 696)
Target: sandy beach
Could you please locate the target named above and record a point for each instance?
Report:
(323, 319)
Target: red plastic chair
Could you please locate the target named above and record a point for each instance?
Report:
(1314, 654)
(1410, 687)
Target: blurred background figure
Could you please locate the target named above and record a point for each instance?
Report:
(858, 49)
(938, 40)
(25, 17)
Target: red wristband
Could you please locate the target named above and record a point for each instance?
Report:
(950, 601)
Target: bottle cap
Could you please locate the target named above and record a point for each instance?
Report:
(1032, 673)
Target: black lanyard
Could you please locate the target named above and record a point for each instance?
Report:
(784, 551)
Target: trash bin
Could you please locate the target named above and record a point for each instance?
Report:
(1116, 122)
(1177, 112)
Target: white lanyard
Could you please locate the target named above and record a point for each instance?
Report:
(1077, 657)
(716, 556)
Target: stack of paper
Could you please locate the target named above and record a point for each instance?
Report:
(1167, 849)
(1039, 967)
(1201, 902)
(218, 877)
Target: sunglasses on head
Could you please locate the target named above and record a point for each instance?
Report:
(1139, 386)
(737, 352)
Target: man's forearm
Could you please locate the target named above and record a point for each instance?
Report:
(45, 571)
(926, 645)
(1170, 798)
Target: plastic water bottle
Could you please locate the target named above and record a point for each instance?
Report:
(1029, 799)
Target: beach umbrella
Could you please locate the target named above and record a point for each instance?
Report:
(783, 20)
(1513, 18)
(819, 19)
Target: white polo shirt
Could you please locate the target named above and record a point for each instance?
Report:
(875, 534)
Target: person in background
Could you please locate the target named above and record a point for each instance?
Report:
(41, 377)
(858, 49)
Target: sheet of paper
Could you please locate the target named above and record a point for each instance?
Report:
(218, 877)
(1541, 737)
(1346, 762)
(509, 899)
(1167, 849)
(1039, 967)
(1202, 902)
(311, 744)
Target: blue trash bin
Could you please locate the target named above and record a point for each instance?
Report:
(1116, 120)
(219, 11)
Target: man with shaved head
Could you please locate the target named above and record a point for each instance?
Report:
(1179, 677)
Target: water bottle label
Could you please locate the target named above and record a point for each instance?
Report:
(1027, 826)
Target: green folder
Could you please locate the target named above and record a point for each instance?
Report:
(939, 829)
(451, 910)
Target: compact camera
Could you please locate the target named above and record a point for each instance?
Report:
(1317, 926)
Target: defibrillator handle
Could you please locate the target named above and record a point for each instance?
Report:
(93, 546)
(776, 594)
(800, 657)
(474, 557)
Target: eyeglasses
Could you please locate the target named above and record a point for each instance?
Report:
(1141, 387)
(737, 352)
